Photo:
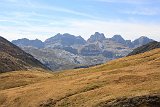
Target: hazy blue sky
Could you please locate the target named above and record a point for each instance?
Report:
(44, 18)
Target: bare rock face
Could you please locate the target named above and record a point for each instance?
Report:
(57, 59)
(90, 50)
(96, 37)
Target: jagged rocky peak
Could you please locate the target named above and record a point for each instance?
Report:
(96, 37)
(129, 43)
(65, 40)
(79, 37)
(26, 42)
(142, 41)
(118, 39)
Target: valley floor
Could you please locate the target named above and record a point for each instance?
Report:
(131, 81)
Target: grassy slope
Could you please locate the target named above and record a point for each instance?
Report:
(126, 77)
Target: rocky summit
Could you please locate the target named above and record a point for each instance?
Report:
(119, 39)
(96, 37)
(64, 40)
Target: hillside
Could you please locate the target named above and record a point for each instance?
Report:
(145, 48)
(133, 83)
(13, 58)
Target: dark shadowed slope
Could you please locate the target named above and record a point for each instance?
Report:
(13, 58)
(145, 48)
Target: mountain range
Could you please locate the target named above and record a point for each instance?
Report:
(68, 40)
(66, 51)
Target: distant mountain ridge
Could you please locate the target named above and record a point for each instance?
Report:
(68, 40)
(26, 42)
(13, 58)
(64, 40)
(136, 43)
(79, 52)
(142, 41)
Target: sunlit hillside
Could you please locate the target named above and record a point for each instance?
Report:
(132, 81)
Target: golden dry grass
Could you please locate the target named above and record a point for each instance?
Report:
(126, 77)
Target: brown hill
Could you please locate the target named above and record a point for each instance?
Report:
(13, 58)
(132, 81)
